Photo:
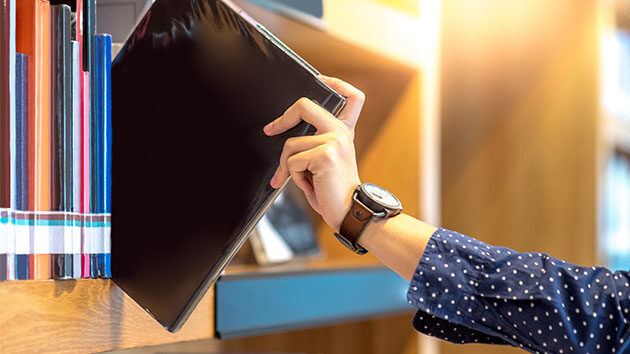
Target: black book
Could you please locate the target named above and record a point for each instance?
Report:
(61, 126)
(89, 30)
(192, 89)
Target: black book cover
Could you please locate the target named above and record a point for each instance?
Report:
(192, 89)
(89, 30)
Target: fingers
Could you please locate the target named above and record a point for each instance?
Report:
(300, 166)
(354, 99)
(302, 179)
(291, 147)
(303, 109)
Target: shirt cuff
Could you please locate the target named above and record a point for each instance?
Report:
(443, 288)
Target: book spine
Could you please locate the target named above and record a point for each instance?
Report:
(68, 177)
(88, 25)
(85, 173)
(11, 8)
(98, 123)
(76, 158)
(56, 106)
(7, 133)
(107, 155)
(42, 259)
(107, 127)
(21, 128)
(5, 230)
(102, 149)
(96, 245)
(5, 113)
(76, 128)
(61, 141)
(16, 266)
(33, 39)
(23, 262)
(94, 54)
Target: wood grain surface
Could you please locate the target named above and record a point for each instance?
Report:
(519, 127)
(81, 316)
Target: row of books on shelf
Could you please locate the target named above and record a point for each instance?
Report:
(55, 141)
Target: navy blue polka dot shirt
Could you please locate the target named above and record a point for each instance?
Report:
(468, 291)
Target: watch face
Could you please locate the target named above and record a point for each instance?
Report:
(381, 196)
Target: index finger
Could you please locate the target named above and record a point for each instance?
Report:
(354, 99)
(302, 110)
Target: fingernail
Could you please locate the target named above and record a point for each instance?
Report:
(323, 77)
(267, 128)
(273, 180)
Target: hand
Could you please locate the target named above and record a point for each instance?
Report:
(324, 165)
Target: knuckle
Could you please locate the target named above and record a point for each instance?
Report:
(302, 102)
(291, 163)
(345, 134)
(328, 154)
(289, 144)
(338, 140)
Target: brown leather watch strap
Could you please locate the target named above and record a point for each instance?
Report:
(355, 221)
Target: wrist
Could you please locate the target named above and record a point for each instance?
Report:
(370, 232)
(347, 205)
(368, 204)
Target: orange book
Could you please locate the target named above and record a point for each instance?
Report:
(33, 39)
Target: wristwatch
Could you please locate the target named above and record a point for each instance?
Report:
(368, 201)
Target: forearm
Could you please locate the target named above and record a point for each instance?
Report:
(491, 294)
(398, 242)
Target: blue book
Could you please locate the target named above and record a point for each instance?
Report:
(21, 261)
(21, 128)
(107, 152)
(102, 145)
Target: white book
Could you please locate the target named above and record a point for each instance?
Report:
(76, 127)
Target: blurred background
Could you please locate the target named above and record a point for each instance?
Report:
(505, 120)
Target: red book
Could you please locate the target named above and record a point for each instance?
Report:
(5, 103)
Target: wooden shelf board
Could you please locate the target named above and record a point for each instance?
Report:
(85, 315)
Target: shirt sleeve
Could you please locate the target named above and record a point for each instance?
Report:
(468, 291)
